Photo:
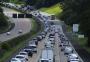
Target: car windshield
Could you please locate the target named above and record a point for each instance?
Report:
(13, 60)
(44, 61)
(23, 53)
(20, 57)
(32, 46)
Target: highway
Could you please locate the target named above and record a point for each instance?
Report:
(59, 55)
(23, 24)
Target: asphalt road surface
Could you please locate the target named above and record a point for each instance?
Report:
(23, 24)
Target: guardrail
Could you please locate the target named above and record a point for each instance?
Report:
(63, 29)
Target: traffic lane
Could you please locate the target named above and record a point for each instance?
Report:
(40, 47)
(60, 57)
(23, 24)
(36, 56)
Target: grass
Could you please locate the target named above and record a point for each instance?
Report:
(22, 40)
(11, 52)
(69, 29)
(55, 9)
(80, 41)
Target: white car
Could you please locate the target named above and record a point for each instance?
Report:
(20, 31)
(52, 40)
(15, 60)
(33, 47)
(73, 58)
(21, 57)
(25, 54)
(48, 44)
(68, 50)
(8, 33)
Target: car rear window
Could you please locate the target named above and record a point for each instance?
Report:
(44, 61)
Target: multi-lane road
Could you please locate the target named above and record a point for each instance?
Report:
(23, 24)
(59, 56)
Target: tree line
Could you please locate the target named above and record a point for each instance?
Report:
(77, 11)
(35, 3)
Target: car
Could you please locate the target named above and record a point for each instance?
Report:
(39, 38)
(52, 40)
(21, 57)
(63, 45)
(29, 51)
(48, 44)
(61, 35)
(20, 31)
(46, 29)
(25, 54)
(43, 34)
(68, 50)
(47, 56)
(15, 60)
(33, 47)
(74, 60)
(8, 33)
(73, 57)
(51, 36)
(35, 41)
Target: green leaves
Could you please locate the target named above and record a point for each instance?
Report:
(77, 11)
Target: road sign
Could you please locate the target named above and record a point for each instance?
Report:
(75, 27)
(80, 36)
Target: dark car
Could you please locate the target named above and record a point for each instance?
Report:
(29, 51)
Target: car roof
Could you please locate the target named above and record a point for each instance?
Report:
(15, 60)
(73, 54)
(20, 55)
(47, 54)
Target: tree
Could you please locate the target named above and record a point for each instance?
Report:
(78, 11)
(31, 2)
(3, 21)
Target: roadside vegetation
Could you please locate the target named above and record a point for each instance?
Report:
(78, 12)
(55, 9)
(10, 47)
(4, 24)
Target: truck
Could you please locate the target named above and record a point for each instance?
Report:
(47, 56)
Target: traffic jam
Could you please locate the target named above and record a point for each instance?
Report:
(43, 48)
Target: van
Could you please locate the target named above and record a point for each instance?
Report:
(47, 56)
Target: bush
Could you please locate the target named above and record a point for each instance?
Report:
(5, 46)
